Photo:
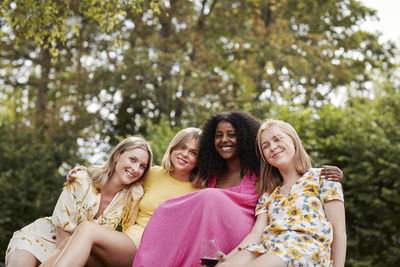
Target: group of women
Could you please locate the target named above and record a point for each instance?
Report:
(211, 185)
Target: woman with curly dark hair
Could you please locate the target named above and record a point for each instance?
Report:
(228, 147)
(228, 166)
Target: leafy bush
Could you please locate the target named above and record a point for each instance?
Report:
(30, 180)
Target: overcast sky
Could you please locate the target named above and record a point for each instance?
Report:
(389, 18)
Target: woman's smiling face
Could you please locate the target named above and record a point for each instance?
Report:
(184, 157)
(277, 147)
(130, 165)
(225, 140)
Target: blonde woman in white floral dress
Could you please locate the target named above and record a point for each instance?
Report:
(300, 217)
(103, 194)
(92, 245)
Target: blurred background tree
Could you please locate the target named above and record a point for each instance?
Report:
(77, 76)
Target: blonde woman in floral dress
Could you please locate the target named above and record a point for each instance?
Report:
(92, 245)
(103, 194)
(300, 217)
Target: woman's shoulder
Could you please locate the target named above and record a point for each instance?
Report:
(251, 175)
(82, 174)
(137, 191)
(156, 171)
(312, 174)
(79, 180)
(314, 171)
(250, 179)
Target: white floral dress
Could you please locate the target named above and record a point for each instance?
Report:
(298, 230)
(78, 202)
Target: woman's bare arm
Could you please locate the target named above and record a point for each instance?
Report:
(335, 213)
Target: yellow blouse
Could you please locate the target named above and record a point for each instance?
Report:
(158, 187)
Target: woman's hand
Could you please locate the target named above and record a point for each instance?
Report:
(221, 256)
(332, 173)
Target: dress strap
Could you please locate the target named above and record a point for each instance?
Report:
(251, 177)
(212, 181)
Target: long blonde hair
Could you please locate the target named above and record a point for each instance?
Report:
(179, 139)
(101, 174)
(270, 176)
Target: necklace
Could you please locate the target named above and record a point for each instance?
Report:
(285, 189)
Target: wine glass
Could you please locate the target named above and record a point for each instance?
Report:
(209, 252)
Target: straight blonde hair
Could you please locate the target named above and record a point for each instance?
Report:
(101, 174)
(270, 176)
(179, 139)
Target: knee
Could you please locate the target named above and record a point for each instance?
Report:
(227, 264)
(21, 258)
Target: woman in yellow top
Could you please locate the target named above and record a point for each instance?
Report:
(102, 195)
(91, 245)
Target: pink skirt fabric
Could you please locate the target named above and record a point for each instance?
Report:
(172, 236)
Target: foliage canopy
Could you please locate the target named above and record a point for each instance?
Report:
(76, 75)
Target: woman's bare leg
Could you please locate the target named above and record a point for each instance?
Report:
(247, 258)
(22, 258)
(268, 260)
(50, 261)
(111, 247)
(239, 259)
(92, 261)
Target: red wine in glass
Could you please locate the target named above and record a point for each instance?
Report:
(209, 252)
(209, 262)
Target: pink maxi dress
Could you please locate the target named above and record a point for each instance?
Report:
(172, 236)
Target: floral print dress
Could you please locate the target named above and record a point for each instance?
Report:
(78, 202)
(298, 230)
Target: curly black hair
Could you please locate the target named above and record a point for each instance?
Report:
(246, 127)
